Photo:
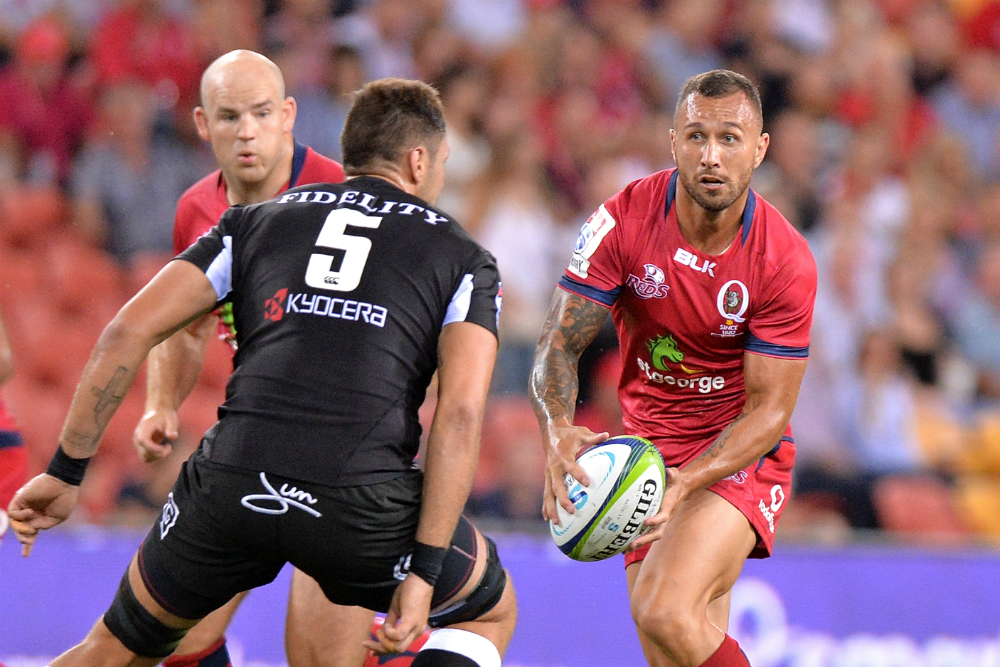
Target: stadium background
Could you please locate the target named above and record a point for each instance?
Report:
(885, 125)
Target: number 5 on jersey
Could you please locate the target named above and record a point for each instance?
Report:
(320, 273)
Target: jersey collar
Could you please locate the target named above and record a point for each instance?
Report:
(298, 161)
(748, 210)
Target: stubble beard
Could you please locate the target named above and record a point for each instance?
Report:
(722, 200)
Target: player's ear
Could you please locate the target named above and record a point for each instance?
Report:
(201, 122)
(673, 144)
(291, 109)
(762, 143)
(418, 162)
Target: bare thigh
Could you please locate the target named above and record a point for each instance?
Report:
(680, 594)
(320, 633)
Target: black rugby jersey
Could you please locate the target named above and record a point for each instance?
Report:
(339, 294)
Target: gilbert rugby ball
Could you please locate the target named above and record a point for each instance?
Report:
(626, 486)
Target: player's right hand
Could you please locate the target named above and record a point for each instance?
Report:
(155, 434)
(564, 442)
(40, 504)
(406, 618)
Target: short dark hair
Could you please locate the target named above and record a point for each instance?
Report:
(389, 117)
(720, 83)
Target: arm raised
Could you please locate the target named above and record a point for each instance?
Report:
(178, 294)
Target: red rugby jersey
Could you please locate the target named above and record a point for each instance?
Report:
(13, 458)
(685, 319)
(201, 206)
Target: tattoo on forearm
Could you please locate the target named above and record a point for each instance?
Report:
(571, 325)
(716, 447)
(109, 397)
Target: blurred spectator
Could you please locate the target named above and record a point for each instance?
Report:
(512, 217)
(143, 40)
(681, 43)
(976, 321)
(127, 181)
(303, 32)
(322, 109)
(383, 32)
(222, 26)
(464, 93)
(44, 113)
(970, 106)
(933, 34)
(491, 24)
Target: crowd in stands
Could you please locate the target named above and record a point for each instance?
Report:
(884, 118)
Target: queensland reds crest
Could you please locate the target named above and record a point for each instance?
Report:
(651, 285)
(733, 301)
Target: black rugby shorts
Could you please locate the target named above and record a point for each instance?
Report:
(225, 530)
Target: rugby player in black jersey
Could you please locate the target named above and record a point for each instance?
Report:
(347, 298)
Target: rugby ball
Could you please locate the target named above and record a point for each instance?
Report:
(626, 486)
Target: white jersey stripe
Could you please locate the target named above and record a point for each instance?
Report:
(220, 271)
(458, 309)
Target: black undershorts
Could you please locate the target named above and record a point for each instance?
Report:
(225, 530)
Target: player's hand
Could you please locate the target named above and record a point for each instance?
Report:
(4, 523)
(40, 504)
(564, 443)
(406, 618)
(154, 436)
(673, 495)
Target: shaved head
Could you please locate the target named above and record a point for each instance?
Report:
(239, 65)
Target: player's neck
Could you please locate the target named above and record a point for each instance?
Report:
(710, 232)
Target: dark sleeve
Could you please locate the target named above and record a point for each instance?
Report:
(478, 295)
(213, 253)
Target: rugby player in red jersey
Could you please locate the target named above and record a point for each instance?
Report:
(711, 291)
(13, 456)
(248, 120)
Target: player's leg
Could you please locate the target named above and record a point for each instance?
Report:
(135, 631)
(680, 593)
(320, 633)
(718, 615)
(205, 644)
(474, 624)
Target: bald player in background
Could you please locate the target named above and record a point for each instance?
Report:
(248, 120)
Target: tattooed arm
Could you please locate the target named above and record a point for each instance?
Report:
(571, 326)
(176, 296)
(772, 387)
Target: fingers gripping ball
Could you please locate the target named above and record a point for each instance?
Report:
(626, 486)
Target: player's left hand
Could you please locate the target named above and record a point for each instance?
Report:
(42, 503)
(406, 618)
(673, 495)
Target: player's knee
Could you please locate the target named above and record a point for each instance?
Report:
(136, 628)
(487, 594)
(451, 647)
(665, 624)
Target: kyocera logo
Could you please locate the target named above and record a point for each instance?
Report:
(688, 259)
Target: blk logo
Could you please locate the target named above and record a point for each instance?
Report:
(274, 308)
